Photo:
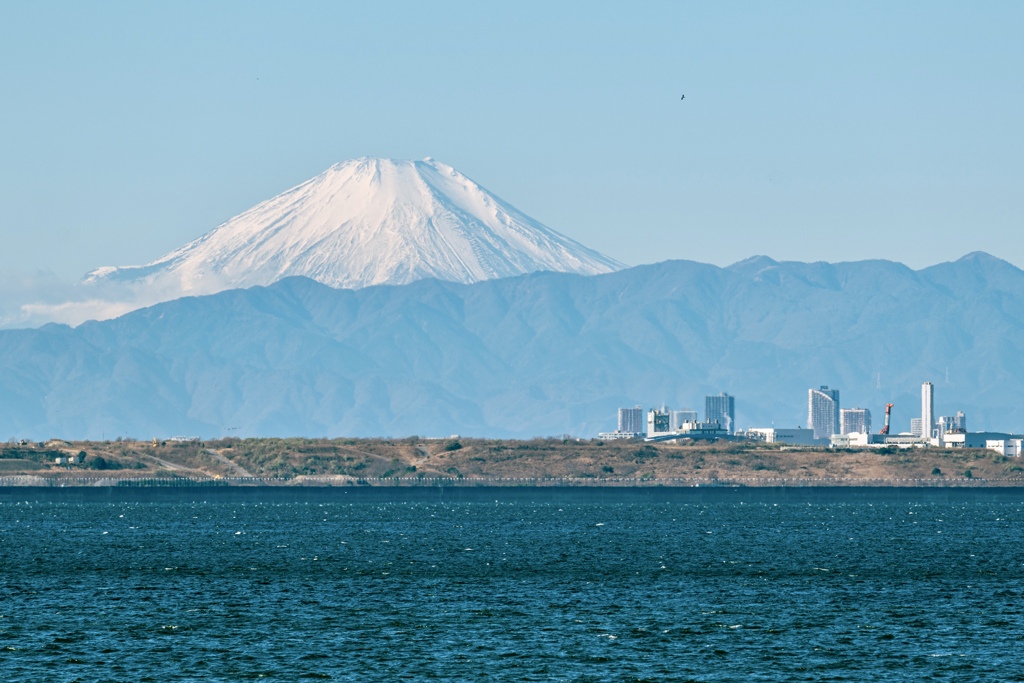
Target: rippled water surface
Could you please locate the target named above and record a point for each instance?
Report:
(498, 585)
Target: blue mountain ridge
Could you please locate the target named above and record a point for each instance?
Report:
(540, 354)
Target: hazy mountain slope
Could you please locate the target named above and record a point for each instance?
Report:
(367, 222)
(534, 355)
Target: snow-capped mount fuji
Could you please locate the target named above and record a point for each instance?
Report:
(367, 222)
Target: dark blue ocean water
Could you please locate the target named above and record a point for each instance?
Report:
(539, 585)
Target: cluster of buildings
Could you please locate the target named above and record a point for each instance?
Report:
(947, 431)
(664, 424)
(828, 424)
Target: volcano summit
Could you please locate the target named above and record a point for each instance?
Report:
(367, 222)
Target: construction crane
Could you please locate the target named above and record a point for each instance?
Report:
(888, 412)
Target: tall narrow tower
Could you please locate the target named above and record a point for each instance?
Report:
(927, 409)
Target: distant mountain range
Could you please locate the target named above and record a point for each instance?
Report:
(367, 222)
(538, 354)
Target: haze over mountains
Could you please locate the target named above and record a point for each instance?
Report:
(398, 298)
(537, 354)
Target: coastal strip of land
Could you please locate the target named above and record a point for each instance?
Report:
(416, 461)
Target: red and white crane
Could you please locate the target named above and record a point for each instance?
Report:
(888, 412)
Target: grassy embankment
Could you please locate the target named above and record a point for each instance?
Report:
(595, 462)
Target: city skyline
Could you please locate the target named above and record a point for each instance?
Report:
(826, 418)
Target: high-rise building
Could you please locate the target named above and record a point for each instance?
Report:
(721, 409)
(915, 426)
(954, 423)
(927, 409)
(681, 416)
(823, 412)
(631, 420)
(854, 421)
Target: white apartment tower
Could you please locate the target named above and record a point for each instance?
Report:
(823, 412)
(854, 421)
(927, 409)
(631, 420)
(721, 409)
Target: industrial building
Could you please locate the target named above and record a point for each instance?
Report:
(975, 439)
(680, 417)
(658, 422)
(1008, 447)
(863, 440)
(794, 437)
(688, 430)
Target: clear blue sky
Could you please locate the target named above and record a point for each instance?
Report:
(832, 131)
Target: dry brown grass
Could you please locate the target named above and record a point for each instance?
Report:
(470, 459)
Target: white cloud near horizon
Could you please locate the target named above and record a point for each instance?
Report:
(30, 301)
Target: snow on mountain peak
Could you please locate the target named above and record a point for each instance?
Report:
(364, 222)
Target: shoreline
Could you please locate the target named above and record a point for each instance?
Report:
(494, 495)
(330, 482)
